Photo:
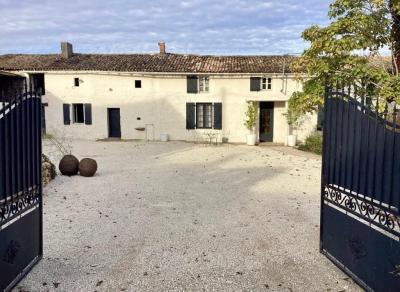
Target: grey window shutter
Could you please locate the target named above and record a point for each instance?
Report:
(190, 115)
(255, 83)
(192, 84)
(67, 115)
(218, 116)
(88, 113)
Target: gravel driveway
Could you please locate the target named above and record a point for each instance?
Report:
(181, 217)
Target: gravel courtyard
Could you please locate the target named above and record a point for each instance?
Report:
(182, 217)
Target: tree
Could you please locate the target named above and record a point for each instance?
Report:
(251, 116)
(347, 51)
(395, 13)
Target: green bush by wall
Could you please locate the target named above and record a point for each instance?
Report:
(313, 143)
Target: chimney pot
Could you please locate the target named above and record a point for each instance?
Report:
(66, 50)
(162, 47)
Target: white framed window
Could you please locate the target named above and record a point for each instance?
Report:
(204, 114)
(204, 84)
(266, 83)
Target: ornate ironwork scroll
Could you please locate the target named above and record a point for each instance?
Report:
(364, 208)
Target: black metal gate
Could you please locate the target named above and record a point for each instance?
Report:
(360, 223)
(20, 186)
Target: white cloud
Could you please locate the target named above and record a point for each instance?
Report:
(189, 26)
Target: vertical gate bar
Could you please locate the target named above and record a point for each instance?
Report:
(33, 146)
(347, 137)
(28, 137)
(340, 148)
(17, 112)
(37, 155)
(383, 162)
(359, 131)
(2, 149)
(323, 169)
(32, 149)
(335, 137)
(6, 147)
(327, 128)
(23, 134)
(394, 117)
(354, 107)
(40, 176)
(29, 140)
(342, 139)
(368, 113)
(374, 160)
(12, 150)
(34, 138)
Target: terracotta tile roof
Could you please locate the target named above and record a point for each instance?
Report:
(174, 63)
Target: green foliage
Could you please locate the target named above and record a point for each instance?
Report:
(251, 116)
(313, 143)
(334, 55)
(47, 136)
(293, 118)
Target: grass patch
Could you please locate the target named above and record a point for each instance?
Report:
(47, 136)
(313, 143)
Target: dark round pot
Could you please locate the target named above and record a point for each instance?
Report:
(69, 165)
(87, 167)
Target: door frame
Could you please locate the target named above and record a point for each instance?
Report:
(109, 109)
(267, 105)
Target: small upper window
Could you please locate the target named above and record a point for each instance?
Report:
(138, 83)
(204, 82)
(76, 82)
(78, 113)
(266, 83)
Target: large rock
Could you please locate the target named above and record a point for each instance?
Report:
(87, 167)
(69, 165)
(48, 170)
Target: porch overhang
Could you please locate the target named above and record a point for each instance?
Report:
(9, 74)
(275, 97)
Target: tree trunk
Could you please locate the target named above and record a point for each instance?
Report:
(395, 31)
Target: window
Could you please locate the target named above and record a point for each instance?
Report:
(81, 113)
(196, 84)
(204, 115)
(78, 113)
(37, 80)
(204, 84)
(76, 82)
(138, 83)
(258, 83)
(266, 83)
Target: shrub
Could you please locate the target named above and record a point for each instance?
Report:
(251, 116)
(313, 143)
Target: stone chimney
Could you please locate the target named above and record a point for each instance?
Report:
(162, 48)
(66, 50)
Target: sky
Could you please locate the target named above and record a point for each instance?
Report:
(215, 27)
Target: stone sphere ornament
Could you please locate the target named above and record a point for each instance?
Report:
(87, 167)
(69, 165)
